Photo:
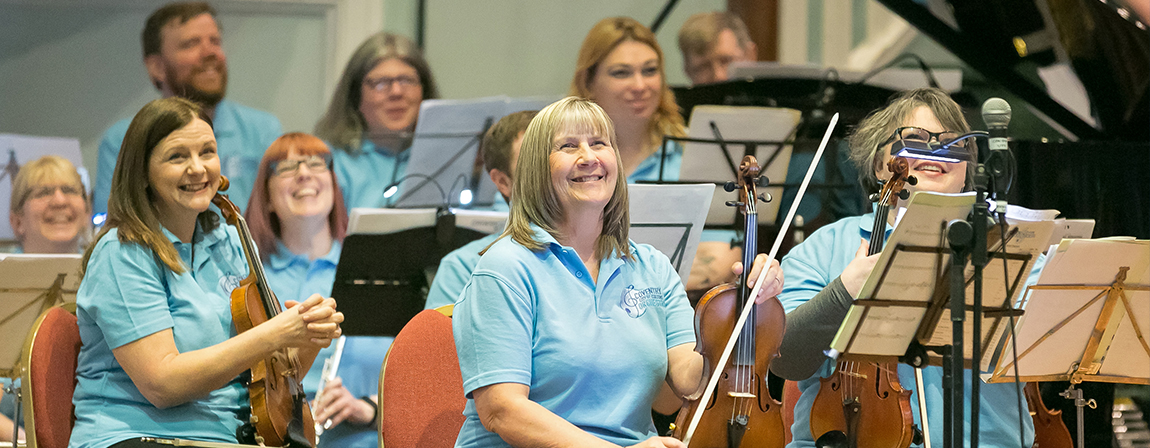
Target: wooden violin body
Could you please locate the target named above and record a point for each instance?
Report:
(1049, 429)
(741, 412)
(862, 404)
(279, 408)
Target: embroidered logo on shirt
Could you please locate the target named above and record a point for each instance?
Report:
(636, 301)
(229, 282)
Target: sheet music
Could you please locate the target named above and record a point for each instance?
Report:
(705, 162)
(446, 147)
(24, 278)
(1050, 341)
(670, 217)
(391, 220)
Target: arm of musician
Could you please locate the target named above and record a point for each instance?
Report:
(168, 378)
(505, 410)
(338, 405)
(685, 369)
(812, 326)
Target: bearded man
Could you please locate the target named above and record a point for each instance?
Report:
(184, 57)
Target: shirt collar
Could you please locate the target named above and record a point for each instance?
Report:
(224, 120)
(283, 256)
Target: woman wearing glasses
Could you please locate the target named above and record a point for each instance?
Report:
(49, 210)
(826, 272)
(372, 115)
(297, 218)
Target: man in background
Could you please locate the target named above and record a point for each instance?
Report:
(184, 56)
(710, 42)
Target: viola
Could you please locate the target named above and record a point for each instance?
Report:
(280, 413)
(741, 412)
(1049, 429)
(862, 404)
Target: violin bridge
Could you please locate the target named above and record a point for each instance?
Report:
(740, 395)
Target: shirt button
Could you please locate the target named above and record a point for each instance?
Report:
(579, 274)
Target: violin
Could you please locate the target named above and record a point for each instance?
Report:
(1049, 429)
(280, 413)
(741, 412)
(862, 404)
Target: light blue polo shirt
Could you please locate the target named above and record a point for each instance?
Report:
(593, 353)
(242, 136)
(294, 277)
(127, 294)
(648, 169)
(813, 265)
(454, 271)
(365, 174)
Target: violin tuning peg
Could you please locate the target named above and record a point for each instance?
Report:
(904, 195)
(730, 186)
(762, 181)
(766, 197)
(734, 204)
(912, 180)
(873, 197)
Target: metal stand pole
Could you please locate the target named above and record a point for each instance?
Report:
(1075, 394)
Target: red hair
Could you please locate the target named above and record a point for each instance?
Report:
(263, 223)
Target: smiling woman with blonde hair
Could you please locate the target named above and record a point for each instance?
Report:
(49, 209)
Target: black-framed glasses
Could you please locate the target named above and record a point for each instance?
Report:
(915, 133)
(314, 163)
(384, 83)
(44, 191)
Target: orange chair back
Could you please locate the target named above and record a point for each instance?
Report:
(50, 377)
(421, 389)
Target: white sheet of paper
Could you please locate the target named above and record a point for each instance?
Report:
(705, 162)
(446, 145)
(662, 215)
(24, 277)
(391, 220)
(18, 150)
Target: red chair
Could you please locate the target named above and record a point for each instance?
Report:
(791, 394)
(420, 388)
(49, 377)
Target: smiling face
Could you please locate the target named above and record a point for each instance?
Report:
(303, 193)
(184, 173)
(939, 177)
(583, 170)
(390, 96)
(191, 63)
(627, 83)
(52, 218)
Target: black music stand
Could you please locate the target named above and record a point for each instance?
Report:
(381, 281)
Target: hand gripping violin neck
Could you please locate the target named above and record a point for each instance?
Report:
(280, 413)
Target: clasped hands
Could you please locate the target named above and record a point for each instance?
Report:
(311, 323)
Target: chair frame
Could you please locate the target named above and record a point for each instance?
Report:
(28, 402)
(445, 310)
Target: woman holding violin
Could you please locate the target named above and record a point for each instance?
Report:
(161, 357)
(567, 329)
(826, 273)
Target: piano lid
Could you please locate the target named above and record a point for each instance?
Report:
(1008, 41)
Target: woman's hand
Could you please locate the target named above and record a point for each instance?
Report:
(858, 270)
(774, 277)
(336, 405)
(312, 323)
(660, 442)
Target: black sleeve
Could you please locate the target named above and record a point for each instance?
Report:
(810, 329)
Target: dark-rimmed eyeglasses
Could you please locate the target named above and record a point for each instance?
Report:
(45, 191)
(384, 83)
(922, 135)
(289, 167)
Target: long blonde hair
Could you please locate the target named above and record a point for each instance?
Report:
(600, 41)
(535, 200)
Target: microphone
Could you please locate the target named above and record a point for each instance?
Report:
(996, 115)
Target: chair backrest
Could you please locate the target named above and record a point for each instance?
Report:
(791, 394)
(420, 387)
(49, 377)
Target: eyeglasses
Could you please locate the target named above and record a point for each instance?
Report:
(384, 83)
(50, 190)
(288, 167)
(923, 135)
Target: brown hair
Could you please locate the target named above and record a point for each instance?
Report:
(130, 206)
(536, 201)
(262, 222)
(874, 130)
(496, 145)
(700, 31)
(343, 125)
(151, 36)
(600, 41)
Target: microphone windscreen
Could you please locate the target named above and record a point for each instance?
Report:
(996, 113)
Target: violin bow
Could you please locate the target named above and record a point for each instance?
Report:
(718, 371)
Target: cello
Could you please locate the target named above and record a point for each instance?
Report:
(741, 412)
(279, 410)
(1049, 429)
(862, 404)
